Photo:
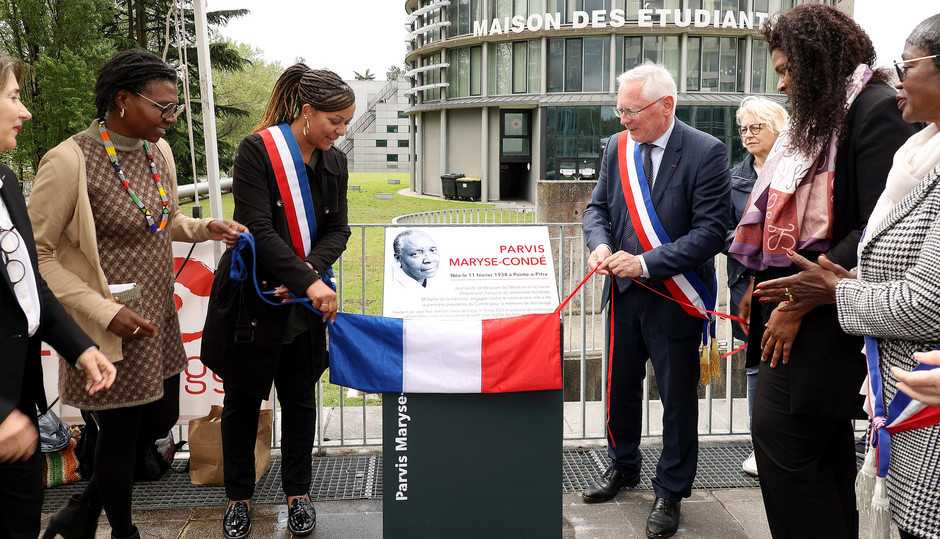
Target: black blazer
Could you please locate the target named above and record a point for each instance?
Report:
(242, 338)
(21, 381)
(826, 367)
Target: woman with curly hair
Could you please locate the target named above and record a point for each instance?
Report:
(814, 195)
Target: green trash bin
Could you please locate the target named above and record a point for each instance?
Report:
(449, 185)
(469, 188)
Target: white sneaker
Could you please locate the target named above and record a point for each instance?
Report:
(750, 465)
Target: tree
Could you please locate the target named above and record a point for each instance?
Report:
(364, 76)
(61, 44)
(248, 90)
(396, 72)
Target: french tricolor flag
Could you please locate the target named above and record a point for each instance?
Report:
(375, 354)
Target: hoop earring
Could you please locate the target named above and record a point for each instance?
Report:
(306, 126)
(122, 112)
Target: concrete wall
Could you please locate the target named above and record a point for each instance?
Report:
(430, 163)
(463, 142)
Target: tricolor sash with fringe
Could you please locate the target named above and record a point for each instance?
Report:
(686, 288)
(290, 172)
(903, 414)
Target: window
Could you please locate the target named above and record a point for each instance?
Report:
(432, 76)
(464, 71)
(392, 157)
(574, 140)
(381, 144)
(401, 114)
(402, 143)
(579, 64)
(718, 121)
(763, 77)
(462, 14)
(715, 64)
(514, 67)
(391, 129)
(633, 51)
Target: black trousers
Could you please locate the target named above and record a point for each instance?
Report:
(123, 433)
(296, 382)
(807, 464)
(645, 326)
(21, 490)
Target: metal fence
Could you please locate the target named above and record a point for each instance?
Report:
(723, 406)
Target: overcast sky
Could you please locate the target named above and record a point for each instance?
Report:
(355, 35)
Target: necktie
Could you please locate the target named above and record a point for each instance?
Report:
(646, 149)
(629, 241)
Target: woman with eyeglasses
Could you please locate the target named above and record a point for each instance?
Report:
(893, 299)
(105, 210)
(814, 195)
(760, 121)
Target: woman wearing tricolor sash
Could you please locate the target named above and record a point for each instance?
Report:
(289, 185)
(814, 195)
(893, 299)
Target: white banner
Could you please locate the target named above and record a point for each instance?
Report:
(468, 272)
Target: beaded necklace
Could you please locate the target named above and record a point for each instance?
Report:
(112, 155)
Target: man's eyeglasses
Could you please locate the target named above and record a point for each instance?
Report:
(634, 114)
(901, 67)
(9, 243)
(754, 129)
(170, 110)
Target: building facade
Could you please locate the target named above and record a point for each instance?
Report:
(518, 92)
(379, 137)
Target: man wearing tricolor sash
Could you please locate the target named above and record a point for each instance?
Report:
(653, 225)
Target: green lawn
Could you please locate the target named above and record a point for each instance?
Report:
(364, 208)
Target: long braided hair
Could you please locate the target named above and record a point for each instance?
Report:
(131, 70)
(298, 86)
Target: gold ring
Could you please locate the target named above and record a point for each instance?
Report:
(136, 331)
(789, 295)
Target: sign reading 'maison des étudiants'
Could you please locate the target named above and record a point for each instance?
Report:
(616, 18)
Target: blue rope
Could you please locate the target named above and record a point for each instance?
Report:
(239, 272)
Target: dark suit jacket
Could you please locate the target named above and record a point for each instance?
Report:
(249, 365)
(826, 367)
(691, 199)
(21, 381)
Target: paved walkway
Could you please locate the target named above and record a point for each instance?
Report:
(708, 514)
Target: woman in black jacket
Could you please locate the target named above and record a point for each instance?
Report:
(290, 190)
(814, 196)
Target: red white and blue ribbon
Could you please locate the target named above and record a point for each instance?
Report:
(290, 171)
(686, 288)
(904, 413)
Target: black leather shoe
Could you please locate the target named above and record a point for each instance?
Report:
(663, 520)
(236, 523)
(301, 516)
(608, 485)
(74, 520)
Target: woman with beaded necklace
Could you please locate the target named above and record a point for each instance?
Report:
(105, 210)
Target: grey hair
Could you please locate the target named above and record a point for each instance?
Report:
(657, 82)
(765, 110)
(926, 36)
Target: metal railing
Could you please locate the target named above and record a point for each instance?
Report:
(723, 408)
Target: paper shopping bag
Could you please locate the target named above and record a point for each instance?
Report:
(205, 447)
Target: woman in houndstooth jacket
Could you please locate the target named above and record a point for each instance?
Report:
(895, 296)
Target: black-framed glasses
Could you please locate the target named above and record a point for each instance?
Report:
(753, 129)
(634, 114)
(901, 66)
(9, 243)
(169, 110)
